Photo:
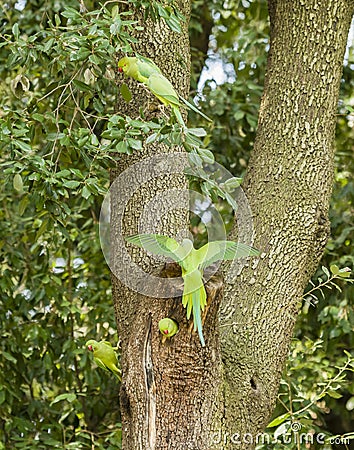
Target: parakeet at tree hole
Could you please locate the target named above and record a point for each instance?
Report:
(104, 356)
(147, 72)
(193, 262)
(168, 327)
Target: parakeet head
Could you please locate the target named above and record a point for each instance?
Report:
(91, 345)
(122, 63)
(168, 327)
(128, 66)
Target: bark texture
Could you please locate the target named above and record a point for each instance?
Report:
(163, 393)
(288, 185)
(177, 395)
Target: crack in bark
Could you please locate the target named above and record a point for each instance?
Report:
(150, 387)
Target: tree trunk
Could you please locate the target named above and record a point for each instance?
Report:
(163, 401)
(176, 394)
(288, 184)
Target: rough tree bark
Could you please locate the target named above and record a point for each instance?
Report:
(179, 395)
(288, 185)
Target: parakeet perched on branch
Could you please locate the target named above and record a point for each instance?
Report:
(193, 262)
(147, 72)
(104, 356)
(138, 67)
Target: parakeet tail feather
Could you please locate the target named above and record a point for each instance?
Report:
(197, 317)
(194, 299)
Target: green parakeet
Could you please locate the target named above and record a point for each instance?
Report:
(138, 67)
(104, 356)
(147, 72)
(193, 262)
(168, 327)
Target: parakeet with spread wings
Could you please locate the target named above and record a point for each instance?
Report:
(193, 262)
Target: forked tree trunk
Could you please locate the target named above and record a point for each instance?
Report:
(177, 395)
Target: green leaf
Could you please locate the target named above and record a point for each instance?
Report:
(345, 272)
(278, 420)
(71, 184)
(195, 159)
(82, 86)
(9, 357)
(55, 136)
(200, 132)
(232, 183)
(334, 394)
(80, 55)
(162, 11)
(125, 92)
(206, 155)
(18, 183)
(2, 399)
(85, 192)
(23, 146)
(334, 269)
(192, 141)
(70, 397)
(116, 26)
(115, 11)
(122, 147)
(174, 24)
(151, 138)
(38, 117)
(231, 201)
(71, 13)
(135, 144)
(15, 30)
(63, 174)
(239, 115)
(350, 404)
(95, 59)
(23, 205)
(326, 271)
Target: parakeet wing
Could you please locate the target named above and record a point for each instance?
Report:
(106, 358)
(100, 363)
(163, 89)
(106, 343)
(156, 244)
(225, 250)
(146, 66)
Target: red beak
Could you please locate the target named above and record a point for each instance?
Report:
(90, 348)
(165, 331)
(120, 69)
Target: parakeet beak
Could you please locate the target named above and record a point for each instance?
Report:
(90, 348)
(120, 69)
(165, 331)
